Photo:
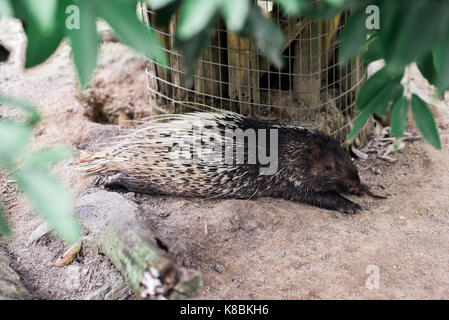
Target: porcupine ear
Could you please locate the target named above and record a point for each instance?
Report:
(315, 153)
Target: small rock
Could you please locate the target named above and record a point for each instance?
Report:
(219, 268)
(236, 280)
(325, 257)
(72, 280)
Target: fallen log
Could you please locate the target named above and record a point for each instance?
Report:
(138, 254)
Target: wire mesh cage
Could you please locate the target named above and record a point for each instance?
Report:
(311, 90)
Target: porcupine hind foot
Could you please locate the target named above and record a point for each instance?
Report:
(120, 180)
(330, 201)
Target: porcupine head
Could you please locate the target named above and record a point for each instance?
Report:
(317, 163)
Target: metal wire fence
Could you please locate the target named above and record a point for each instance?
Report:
(312, 89)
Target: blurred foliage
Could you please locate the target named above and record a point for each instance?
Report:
(30, 171)
(410, 31)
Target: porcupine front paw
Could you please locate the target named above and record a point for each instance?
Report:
(330, 201)
(349, 207)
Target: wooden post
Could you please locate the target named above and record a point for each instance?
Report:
(307, 65)
(330, 29)
(243, 72)
(160, 80)
(178, 71)
(162, 73)
(208, 68)
(291, 29)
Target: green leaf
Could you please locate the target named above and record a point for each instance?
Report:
(6, 9)
(4, 230)
(425, 122)
(319, 10)
(123, 19)
(336, 3)
(4, 53)
(353, 36)
(44, 27)
(47, 157)
(33, 115)
(423, 23)
(379, 104)
(85, 43)
(441, 61)
(44, 13)
(372, 87)
(269, 38)
(427, 67)
(391, 18)
(14, 140)
(195, 15)
(192, 49)
(40, 47)
(235, 13)
(50, 198)
(292, 7)
(163, 15)
(399, 114)
(375, 51)
(392, 92)
(360, 121)
(158, 4)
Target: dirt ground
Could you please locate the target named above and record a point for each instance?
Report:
(257, 249)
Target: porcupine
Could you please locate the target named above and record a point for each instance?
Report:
(311, 166)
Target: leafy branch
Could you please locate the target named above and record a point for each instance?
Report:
(410, 32)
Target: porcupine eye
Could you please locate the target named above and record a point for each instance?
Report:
(328, 168)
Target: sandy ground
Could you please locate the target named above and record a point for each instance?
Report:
(264, 248)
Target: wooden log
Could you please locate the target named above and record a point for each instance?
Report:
(11, 288)
(138, 254)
